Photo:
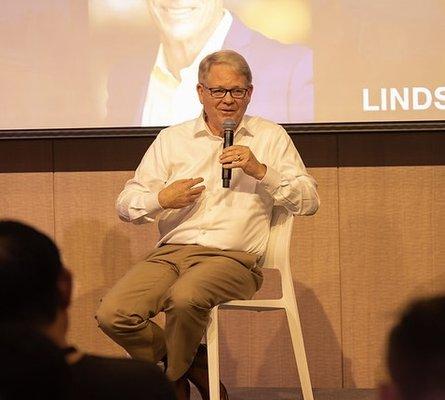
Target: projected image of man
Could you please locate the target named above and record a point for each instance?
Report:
(158, 89)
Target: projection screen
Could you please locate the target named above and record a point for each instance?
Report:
(130, 63)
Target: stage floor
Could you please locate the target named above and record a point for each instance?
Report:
(292, 394)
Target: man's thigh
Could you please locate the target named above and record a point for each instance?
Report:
(141, 289)
(213, 280)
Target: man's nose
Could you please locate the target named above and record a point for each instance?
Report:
(228, 98)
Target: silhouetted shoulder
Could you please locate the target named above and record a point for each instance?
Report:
(115, 378)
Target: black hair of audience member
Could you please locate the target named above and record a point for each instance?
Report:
(416, 351)
(29, 269)
(33, 367)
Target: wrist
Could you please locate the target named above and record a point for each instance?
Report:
(262, 169)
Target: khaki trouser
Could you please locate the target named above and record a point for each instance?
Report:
(184, 281)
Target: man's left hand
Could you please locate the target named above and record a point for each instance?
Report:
(242, 157)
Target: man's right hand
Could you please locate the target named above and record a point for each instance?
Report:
(180, 193)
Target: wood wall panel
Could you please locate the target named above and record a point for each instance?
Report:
(26, 156)
(376, 242)
(26, 182)
(438, 221)
(317, 280)
(387, 256)
(28, 197)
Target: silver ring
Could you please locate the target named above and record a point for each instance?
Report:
(237, 158)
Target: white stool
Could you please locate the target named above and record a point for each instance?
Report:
(277, 256)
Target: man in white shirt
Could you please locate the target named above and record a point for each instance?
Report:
(210, 236)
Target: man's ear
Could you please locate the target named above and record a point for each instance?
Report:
(200, 90)
(388, 391)
(249, 92)
(64, 287)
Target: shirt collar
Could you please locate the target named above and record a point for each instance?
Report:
(201, 128)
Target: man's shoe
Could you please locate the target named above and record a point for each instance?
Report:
(198, 374)
(182, 388)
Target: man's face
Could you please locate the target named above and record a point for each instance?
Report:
(218, 110)
(185, 19)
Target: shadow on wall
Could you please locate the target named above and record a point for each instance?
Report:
(256, 349)
(328, 366)
(98, 254)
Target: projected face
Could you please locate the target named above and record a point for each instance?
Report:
(217, 110)
(184, 19)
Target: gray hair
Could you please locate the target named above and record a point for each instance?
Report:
(229, 57)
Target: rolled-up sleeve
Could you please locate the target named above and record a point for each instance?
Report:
(138, 202)
(287, 180)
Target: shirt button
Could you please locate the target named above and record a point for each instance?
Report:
(203, 232)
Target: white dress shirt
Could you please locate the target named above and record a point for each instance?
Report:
(235, 218)
(171, 101)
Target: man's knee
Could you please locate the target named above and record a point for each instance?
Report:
(106, 317)
(112, 319)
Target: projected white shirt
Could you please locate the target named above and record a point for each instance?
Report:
(170, 101)
(237, 218)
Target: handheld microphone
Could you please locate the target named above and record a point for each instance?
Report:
(228, 128)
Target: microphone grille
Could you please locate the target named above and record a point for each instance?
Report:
(229, 124)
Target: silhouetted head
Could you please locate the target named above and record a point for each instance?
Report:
(33, 283)
(416, 351)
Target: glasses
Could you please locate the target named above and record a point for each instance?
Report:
(219, 93)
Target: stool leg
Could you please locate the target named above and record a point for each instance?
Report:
(213, 354)
(296, 333)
